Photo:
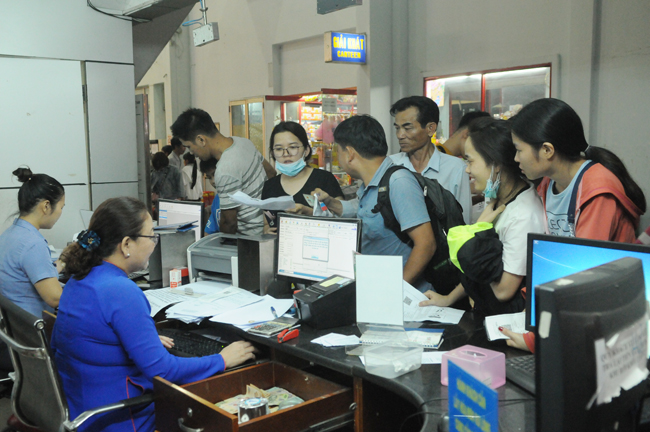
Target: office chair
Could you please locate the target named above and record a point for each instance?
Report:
(37, 397)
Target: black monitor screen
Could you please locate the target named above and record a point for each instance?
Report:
(591, 348)
(313, 249)
(552, 257)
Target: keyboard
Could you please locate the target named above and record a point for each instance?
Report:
(188, 344)
(521, 371)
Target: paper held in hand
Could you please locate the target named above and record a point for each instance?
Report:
(277, 204)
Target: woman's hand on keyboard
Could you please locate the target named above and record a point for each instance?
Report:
(166, 341)
(237, 353)
(516, 339)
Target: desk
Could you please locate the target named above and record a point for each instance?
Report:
(383, 404)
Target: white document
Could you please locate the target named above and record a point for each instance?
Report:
(515, 322)
(621, 361)
(255, 313)
(337, 340)
(201, 288)
(432, 357)
(223, 300)
(159, 298)
(379, 289)
(279, 203)
(413, 311)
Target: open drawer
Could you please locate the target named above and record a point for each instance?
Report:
(191, 407)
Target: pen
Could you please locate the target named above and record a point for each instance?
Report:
(275, 314)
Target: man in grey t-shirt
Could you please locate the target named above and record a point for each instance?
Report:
(241, 168)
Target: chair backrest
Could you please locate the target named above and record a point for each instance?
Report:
(37, 397)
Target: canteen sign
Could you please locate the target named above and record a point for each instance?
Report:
(345, 48)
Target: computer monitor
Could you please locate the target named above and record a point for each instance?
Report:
(172, 212)
(591, 349)
(552, 257)
(315, 248)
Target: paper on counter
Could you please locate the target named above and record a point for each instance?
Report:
(160, 298)
(413, 311)
(336, 340)
(255, 313)
(221, 301)
(279, 203)
(432, 357)
(515, 322)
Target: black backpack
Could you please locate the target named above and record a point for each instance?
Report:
(445, 213)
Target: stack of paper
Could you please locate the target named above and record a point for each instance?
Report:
(220, 301)
(337, 340)
(160, 298)
(254, 313)
(428, 338)
(413, 311)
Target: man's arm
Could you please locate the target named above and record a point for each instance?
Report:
(270, 171)
(228, 221)
(424, 246)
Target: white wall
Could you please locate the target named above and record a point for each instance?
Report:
(620, 118)
(171, 69)
(59, 32)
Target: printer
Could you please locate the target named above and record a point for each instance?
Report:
(212, 258)
(329, 303)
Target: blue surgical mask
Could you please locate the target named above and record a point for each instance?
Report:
(291, 169)
(492, 188)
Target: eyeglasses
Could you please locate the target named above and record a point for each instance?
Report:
(291, 151)
(154, 238)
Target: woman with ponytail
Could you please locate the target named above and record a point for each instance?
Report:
(551, 145)
(104, 341)
(192, 178)
(27, 275)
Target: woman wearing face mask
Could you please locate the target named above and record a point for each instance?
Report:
(551, 144)
(515, 209)
(290, 149)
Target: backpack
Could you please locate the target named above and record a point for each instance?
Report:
(445, 213)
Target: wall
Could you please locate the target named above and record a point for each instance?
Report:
(101, 47)
(622, 92)
(254, 32)
(171, 69)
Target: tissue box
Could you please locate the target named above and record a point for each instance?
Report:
(485, 365)
(392, 359)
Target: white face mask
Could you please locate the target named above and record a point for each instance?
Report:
(291, 169)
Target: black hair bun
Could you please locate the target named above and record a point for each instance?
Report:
(23, 174)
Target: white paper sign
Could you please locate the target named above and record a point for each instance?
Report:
(379, 290)
(621, 361)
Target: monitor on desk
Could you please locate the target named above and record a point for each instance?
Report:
(552, 257)
(311, 249)
(173, 212)
(591, 348)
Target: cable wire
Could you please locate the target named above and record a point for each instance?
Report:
(121, 17)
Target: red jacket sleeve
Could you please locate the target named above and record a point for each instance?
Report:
(599, 219)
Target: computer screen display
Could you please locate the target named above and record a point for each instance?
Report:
(552, 257)
(312, 249)
(172, 212)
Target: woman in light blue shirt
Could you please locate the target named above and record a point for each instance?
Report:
(27, 275)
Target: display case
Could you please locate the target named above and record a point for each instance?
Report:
(247, 121)
(501, 93)
(319, 113)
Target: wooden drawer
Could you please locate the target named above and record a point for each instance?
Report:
(192, 405)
